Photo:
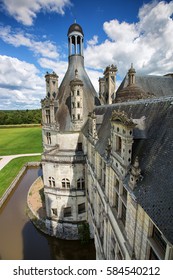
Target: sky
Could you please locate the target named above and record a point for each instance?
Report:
(33, 40)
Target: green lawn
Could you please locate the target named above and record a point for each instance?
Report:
(23, 140)
(10, 171)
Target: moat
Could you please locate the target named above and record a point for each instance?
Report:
(20, 239)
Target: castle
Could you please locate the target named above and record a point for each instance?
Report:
(108, 158)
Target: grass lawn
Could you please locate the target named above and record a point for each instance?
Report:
(24, 140)
(10, 171)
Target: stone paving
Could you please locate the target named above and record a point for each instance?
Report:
(34, 199)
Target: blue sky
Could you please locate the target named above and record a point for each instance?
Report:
(33, 40)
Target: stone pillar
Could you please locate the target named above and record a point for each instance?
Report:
(75, 44)
(81, 46)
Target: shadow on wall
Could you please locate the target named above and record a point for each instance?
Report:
(39, 246)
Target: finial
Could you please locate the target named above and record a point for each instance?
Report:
(131, 74)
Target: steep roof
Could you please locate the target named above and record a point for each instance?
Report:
(157, 86)
(89, 94)
(155, 152)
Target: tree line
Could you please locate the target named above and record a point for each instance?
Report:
(20, 117)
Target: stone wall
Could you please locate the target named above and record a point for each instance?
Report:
(16, 180)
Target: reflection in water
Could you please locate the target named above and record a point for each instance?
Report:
(19, 239)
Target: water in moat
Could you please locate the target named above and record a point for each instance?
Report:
(19, 238)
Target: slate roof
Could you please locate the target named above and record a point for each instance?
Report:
(154, 85)
(90, 98)
(155, 152)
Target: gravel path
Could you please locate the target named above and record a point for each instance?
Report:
(6, 159)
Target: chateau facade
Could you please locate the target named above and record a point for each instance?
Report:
(107, 159)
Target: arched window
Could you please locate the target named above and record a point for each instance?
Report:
(81, 184)
(51, 182)
(65, 183)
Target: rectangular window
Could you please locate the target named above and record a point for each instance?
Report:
(67, 212)
(78, 93)
(123, 214)
(78, 116)
(115, 200)
(118, 144)
(125, 194)
(116, 183)
(156, 235)
(78, 104)
(48, 135)
(81, 208)
(47, 116)
(54, 211)
(79, 146)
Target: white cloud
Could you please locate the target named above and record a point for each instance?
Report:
(59, 67)
(120, 32)
(20, 84)
(147, 43)
(18, 38)
(25, 11)
(93, 41)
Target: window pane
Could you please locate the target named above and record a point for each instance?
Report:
(123, 216)
(158, 239)
(67, 212)
(81, 208)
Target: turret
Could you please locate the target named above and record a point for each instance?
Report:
(51, 85)
(131, 76)
(48, 104)
(76, 86)
(107, 85)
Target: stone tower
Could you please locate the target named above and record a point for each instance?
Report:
(107, 85)
(63, 160)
